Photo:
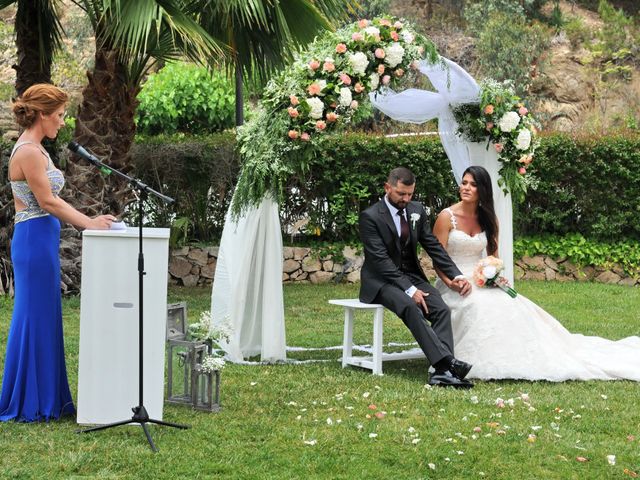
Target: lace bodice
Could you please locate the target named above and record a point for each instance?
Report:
(22, 191)
(465, 250)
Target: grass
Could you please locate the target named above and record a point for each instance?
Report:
(270, 411)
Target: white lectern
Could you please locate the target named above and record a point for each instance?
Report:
(108, 363)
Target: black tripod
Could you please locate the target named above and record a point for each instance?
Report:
(140, 414)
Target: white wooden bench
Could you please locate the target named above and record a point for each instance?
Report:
(373, 362)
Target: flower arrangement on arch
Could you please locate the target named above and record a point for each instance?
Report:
(502, 119)
(204, 331)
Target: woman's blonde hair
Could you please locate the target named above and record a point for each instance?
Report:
(41, 97)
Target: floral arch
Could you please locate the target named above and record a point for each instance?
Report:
(321, 93)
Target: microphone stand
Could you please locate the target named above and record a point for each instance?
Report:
(140, 414)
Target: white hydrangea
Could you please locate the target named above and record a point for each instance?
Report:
(524, 139)
(509, 121)
(394, 54)
(408, 37)
(359, 63)
(317, 107)
(345, 97)
(374, 79)
(373, 31)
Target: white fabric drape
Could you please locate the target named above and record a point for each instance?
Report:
(247, 286)
(454, 86)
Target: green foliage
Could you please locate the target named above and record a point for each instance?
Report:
(577, 32)
(510, 49)
(582, 252)
(616, 31)
(585, 185)
(183, 97)
(477, 13)
(371, 9)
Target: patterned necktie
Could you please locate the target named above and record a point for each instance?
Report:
(404, 228)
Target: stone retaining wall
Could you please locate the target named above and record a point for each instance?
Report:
(191, 266)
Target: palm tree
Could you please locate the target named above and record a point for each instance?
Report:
(263, 34)
(131, 35)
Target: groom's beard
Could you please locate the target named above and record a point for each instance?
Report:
(401, 205)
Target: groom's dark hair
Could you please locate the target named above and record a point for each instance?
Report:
(402, 175)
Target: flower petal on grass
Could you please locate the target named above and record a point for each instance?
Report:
(582, 459)
(611, 459)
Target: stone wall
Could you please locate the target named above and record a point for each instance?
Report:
(191, 266)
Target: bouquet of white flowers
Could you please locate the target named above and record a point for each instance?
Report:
(214, 334)
(487, 273)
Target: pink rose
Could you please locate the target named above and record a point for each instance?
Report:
(379, 53)
(305, 137)
(294, 100)
(488, 110)
(314, 64)
(480, 282)
(489, 125)
(320, 125)
(499, 147)
(358, 87)
(523, 111)
(386, 79)
(357, 37)
(354, 104)
(398, 25)
(363, 23)
(380, 69)
(332, 117)
(522, 170)
(399, 72)
(328, 67)
(293, 134)
(341, 48)
(314, 89)
(293, 112)
(346, 79)
(394, 35)
(385, 23)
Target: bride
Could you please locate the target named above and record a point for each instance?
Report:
(506, 337)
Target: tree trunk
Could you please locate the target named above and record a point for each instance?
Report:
(33, 65)
(105, 126)
(239, 95)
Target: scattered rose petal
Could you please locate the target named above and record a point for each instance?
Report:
(415, 441)
(366, 395)
(535, 428)
(380, 415)
(373, 435)
(329, 421)
(524, 397)
(477, 429)
(611, 459)
(432, 466)
(298, 417)
(631, 473)
(531, 438)
(411, 430)
(473, 399)
(367, 416)
(604, 397)
(310, 442)
(501, 432)
(582, 459)
(630, 438)
(253, 384)
(292, 404)
(359, 426)
(447, 459)
(428, 387)
(531, 409)
(372, 407)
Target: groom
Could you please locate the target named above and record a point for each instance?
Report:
(391, 275)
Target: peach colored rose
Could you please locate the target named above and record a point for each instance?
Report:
(386, 79)
(314, 89)
(305, 137)
(293, 134)
(314, 64)
(320, 125)
(385, 23)
(399, 72)
(499, 147)
(346, 79)
(341, 48)
(398, 25)
(394, 35)
(522, 170)
(294, 100)
(480, 282)
(354, 105)
(328, 67)
(357, 37)
(293, 112)
(523, 111)
(380, 69)
(363, 23)
(379, 53)
(488, 110)
(489, 125)
(332, 117)
(358, 87)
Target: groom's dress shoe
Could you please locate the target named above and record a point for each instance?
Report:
(460, 368)
(448, 379)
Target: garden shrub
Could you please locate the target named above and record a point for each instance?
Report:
(186, 98)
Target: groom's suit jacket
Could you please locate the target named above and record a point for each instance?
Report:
(383, 253)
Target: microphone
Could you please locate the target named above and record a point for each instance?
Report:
(82, 152)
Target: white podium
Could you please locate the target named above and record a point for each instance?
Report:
(108, 365)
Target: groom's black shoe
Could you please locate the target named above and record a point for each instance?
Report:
(448, 379)
(460, 368)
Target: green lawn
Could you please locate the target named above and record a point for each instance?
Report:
(316, 420)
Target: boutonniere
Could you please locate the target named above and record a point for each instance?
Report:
(414, 218)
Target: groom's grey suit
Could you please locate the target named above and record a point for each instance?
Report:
(385, 277)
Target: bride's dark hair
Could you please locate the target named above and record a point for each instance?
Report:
(486, 213)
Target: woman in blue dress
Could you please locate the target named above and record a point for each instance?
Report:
(34, 384)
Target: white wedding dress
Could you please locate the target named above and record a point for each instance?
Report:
(504, 337)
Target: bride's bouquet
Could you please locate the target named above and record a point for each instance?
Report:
(487, 273)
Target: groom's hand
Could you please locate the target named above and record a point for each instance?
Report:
(420, 298)
(462, 286)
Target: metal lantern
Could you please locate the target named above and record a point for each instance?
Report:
(205, 388)
(185, 357)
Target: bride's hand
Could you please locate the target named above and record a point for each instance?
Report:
(462, 286)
